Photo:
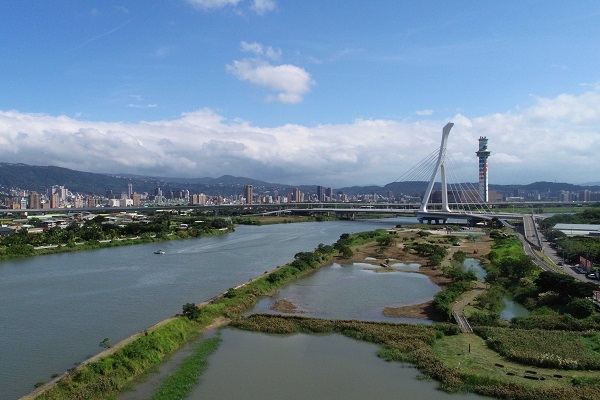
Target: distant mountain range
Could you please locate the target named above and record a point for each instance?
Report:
(39, 178)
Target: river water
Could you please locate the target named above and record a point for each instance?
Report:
(56, 309)
(353, 291)
(257, 366)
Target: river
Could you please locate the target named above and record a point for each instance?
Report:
(250, 365)
(56, 309)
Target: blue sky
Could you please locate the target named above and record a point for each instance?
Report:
(302, 92)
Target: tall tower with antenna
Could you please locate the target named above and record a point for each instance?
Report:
(483, 155)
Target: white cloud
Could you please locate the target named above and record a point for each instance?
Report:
(260, 50)
(212, 4)
(555, 139)
(132, 105)
(424, 112)
(289, 82)
(262, 7)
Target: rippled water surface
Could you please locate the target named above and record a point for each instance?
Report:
(353, 291)
(251, 366)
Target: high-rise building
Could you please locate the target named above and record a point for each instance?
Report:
(54, 200)
(34, 200)
(136, 198)
(320, 194)
(297, 195)
(129, 190)
(249, 194)
(329, 194)
(483, 155)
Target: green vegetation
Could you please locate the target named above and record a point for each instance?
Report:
(191, 311)
(544, 348)
(461, 282)
(435, 252)
(400, 342)
(97, 233)
(108, 376)
(438, 350)
(346, 241)
(485, 372)
(179, 384)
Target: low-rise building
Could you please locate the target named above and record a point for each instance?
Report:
(578, 229)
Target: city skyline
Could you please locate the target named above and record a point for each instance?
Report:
(237, 87)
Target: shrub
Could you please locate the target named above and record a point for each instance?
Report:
(580, 308)
(191, 311)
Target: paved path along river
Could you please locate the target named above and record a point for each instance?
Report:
(56, 309)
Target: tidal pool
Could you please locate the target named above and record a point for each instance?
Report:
(353, 291)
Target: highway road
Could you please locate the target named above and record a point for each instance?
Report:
(532, 235)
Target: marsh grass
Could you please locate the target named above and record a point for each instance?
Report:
(182, 381)
(109, 375)
(544, 348)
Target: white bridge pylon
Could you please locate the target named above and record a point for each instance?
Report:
(439, 166)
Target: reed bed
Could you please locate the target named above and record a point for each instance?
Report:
(181, 382)
(544, 348)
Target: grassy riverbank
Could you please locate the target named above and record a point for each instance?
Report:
(104, 378)
(178, 385)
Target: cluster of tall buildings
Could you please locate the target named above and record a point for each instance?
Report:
(296, 196)
(59, 196)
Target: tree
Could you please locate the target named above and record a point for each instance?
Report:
(515, 268)
(346, 252)
(580, 308)
(436, 260)
(35, 222)
(385, 241)
(191, 311)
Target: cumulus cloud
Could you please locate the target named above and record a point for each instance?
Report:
(290, 82)
(554, 139)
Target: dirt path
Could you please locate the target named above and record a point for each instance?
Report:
(468, 297)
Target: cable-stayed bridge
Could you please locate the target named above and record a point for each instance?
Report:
(444, 199)
(468, 203)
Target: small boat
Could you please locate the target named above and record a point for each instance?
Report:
(159, 252)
